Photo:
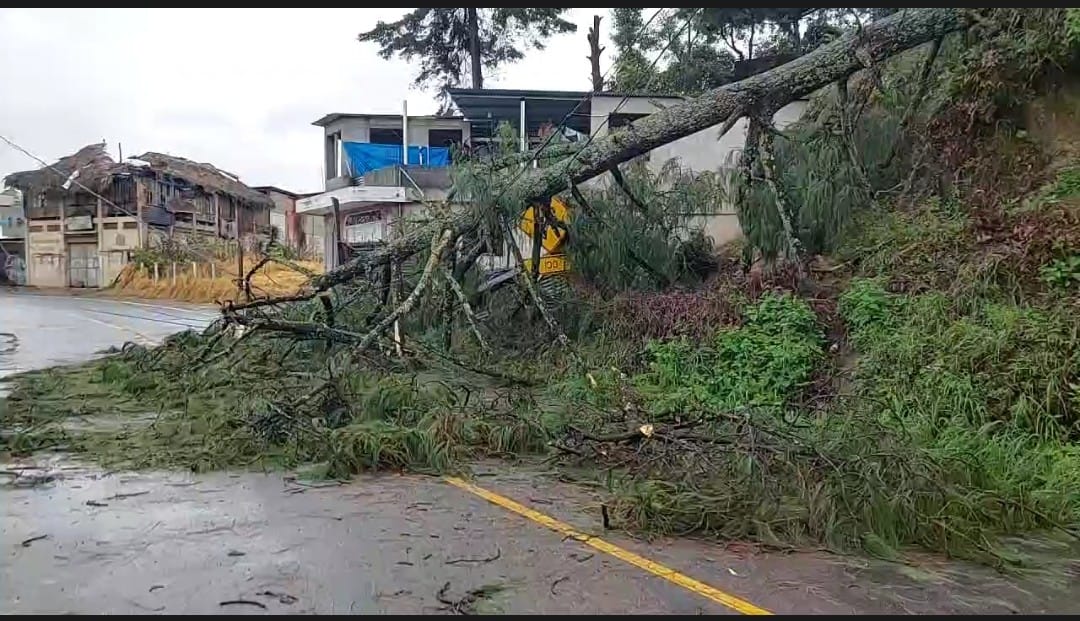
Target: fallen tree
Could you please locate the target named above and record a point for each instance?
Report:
(757, 96)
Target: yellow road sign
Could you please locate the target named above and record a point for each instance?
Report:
(550, 264)
(553, 238)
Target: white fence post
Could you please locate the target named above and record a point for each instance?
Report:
(174, 273)
(194, 269)
(157, 276)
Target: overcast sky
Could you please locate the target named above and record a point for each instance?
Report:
(237, 88)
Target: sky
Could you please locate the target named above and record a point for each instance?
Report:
(233, 87)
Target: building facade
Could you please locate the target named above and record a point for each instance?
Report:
(86, 214)
(303, 233)
(12, 238)
(375, 179)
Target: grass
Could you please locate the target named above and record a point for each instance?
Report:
(958, 432)
(206, 286)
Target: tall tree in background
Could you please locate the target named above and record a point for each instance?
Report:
(690, 59)
(450, 42)
(701, 46)
(631, 40)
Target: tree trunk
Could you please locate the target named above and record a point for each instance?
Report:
(894, 34)
(474, 48)
(594, 55)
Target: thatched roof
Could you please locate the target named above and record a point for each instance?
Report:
(92, 161)
(96, 170)
(209, 177)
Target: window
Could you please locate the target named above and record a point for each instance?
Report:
(361, 228)
(445, 138)
(382, 135)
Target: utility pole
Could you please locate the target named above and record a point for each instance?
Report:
(239, 248)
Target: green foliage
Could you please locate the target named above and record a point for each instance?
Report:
(1063, 273)
(650, 241)
(851, 480)
(439, 38)
(696, 49)
(1066, 185)
(1072, 26)
(998, 363)
(823, 189)
(761, 363)
(1008, 54)
(262, 404)
(632, 72)
(866, 305)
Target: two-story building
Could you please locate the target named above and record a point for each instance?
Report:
(369, 183)
(86, 213)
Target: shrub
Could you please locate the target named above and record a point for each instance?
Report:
(761, 363)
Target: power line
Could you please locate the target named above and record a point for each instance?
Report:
(626, 97)
(562, 124)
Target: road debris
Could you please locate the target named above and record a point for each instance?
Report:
(124, 495)
(26, 542)
(236, 553)
(284, 598)
(238, 602)
(556, 582)
(498, 554)
(467, 604)
(96, 503)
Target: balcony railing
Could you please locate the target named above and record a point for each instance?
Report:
(415, 177)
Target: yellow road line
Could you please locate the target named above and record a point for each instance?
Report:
(636, 560)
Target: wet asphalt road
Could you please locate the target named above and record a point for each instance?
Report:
(38, 330)
(74, 539)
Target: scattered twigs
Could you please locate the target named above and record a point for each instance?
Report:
(466, 308)
(26, 542)
(245, 602)
(486, 559)
(916, 101)
(768, 164)
(245, 283)
(438, 244)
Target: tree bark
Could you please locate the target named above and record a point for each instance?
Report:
(901, 31)
(474, 48)
(594, 55)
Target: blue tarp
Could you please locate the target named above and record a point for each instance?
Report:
(366, 157)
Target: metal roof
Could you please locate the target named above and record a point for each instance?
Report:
(335, 116)
(486, 108)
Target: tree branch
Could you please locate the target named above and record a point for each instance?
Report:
(467, 309)
(438, 244)
(768, 164)
(920, 94)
